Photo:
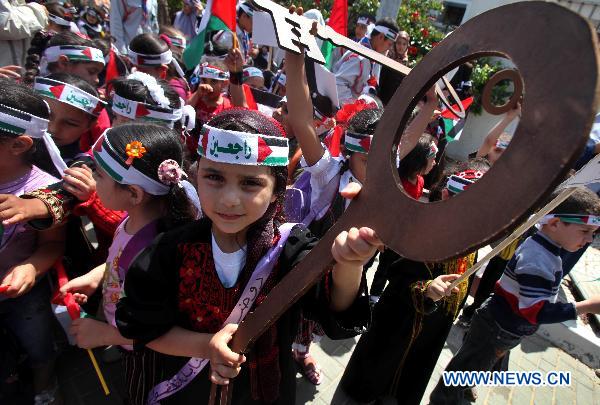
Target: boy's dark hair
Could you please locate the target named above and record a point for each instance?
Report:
(43, 41)
(161, 144)
(148, 44)
(261, 233)
(416, 160)
(582, 202)
(24, 98)
(386, 22)
(481, 164)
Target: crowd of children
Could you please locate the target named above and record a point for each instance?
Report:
(201, 182)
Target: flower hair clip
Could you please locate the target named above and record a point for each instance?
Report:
(170, 173)
(134, 150)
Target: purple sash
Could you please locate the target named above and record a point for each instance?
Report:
(195, 365)
(136, 244)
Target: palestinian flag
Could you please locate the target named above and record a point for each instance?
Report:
(357, 142)
(338, 20)
(242, 148)
(453, 126)
(218, 15)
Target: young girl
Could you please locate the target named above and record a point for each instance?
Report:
(26, 254)
(89, 23)
(64, 52)
(138, 171)
(150, 54)
(417, 163)
(411, 321)
(180, 291)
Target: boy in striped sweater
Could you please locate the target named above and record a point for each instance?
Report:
(526, 294)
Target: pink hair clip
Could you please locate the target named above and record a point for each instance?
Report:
(170, 173)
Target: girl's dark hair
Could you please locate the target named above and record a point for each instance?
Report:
(416, 160)
(480, 164)
(261, 233)
(365, 121)
(135, 90)
(39, 45)
(161, 144)
(148, 44)
(23, 98)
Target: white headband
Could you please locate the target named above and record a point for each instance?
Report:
(69, 94)
(139, 59)
(387, 32)
(156, 90)
(21, 123)
(136, 109)
(573, 219)
(247, 9)
(75, 53)
(242, 148)
(121, 170)
(211, 72)
(59, 20)
(362, 20)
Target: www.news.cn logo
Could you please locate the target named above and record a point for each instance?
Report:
(506, 378)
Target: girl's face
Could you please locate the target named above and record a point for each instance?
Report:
(401, 45)
(88, 71)
(112, 195)
(67, 123)
(358, 166)
(429, 167)
(234, 196)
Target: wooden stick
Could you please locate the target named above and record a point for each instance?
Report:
(517, 232)
(98, 372)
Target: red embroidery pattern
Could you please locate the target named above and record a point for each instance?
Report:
(202, 297)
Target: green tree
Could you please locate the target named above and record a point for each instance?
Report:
(415, 18)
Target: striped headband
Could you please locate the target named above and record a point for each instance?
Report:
(242, 148)
(119, 170)
(458, 183)
(580, 219)
(140, 59)
(69, 94)
(74, 53)
(136, 109)
(355, 142)
(177, 41)
(251, 71)
(247, 9)
(433, 150)
(59, 20)
(212, 72)
(363, 21)
(386, 31)
(21, 123)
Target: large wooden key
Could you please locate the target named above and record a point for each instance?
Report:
(295, 32)
(557, 114)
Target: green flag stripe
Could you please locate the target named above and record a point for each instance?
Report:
(107, 168)
(12, 128)
(275, 161)
(195, 50)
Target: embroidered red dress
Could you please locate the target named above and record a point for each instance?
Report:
(174, 283)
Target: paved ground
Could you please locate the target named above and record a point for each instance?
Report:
(81, 387)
